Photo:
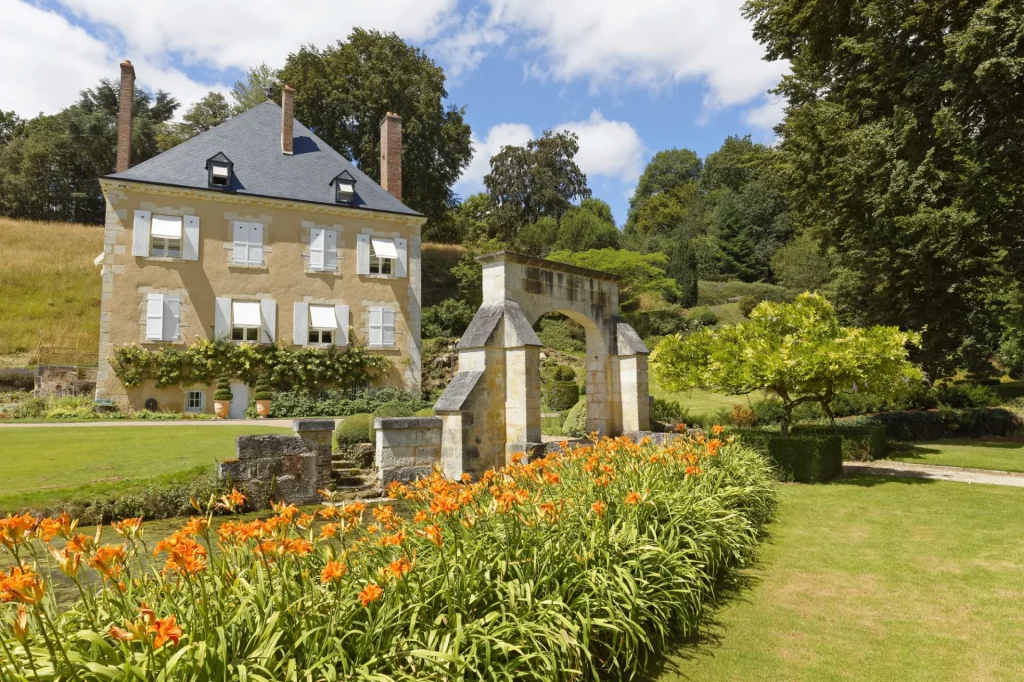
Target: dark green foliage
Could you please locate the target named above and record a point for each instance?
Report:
(860, 443)
(344, 90)
(563, 373)
(658, 322)
(439, 360)
(575, 424)
(768, 411)
(561, 395)
(536, 180)
(562, 334)
(536, 238)
(354, 429)
(439, 282)
(702, 317)
(945, 423)
(965, 395)
(585, 228)
(682, 267)
(903, 141)
(17, 380)
(800, 264)
(396, 408)
(669, 412)
(208, 112)
(747, 304)
(717, 293)
(450, 318)
(223, 391)
(801, 459)
(303, 403)
(161, 498)
(262, 390)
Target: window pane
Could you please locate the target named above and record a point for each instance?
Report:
(314, 337)
(325, 337)
(237, 334)
(385, 266)
(252, 334)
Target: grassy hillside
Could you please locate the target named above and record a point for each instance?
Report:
(48, 284)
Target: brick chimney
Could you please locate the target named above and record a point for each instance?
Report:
(287, 119)
(124, 116)
(391, 154)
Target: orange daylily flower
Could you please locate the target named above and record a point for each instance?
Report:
(15, 530)
(633, 498)
(166, 630)
(329, 530)
(371, 593)
(400, 567)
(420, 517)
(128, 528)
(599, 508)
(20, 625)
(21, 584)
(232, 501)
(109, 561)
(62, 525)
(333, 572)
(432, 533)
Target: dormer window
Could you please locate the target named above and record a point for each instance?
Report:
(344, 188)
(219, 169)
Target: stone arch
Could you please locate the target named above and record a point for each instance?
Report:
(492, 407)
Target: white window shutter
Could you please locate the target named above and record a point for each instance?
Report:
(341, 336)
(316, 249)
(388, 327)
(240, 254)
(222, 319)
(190, 241)
(330, 251)
(402, 262)
(300, 324)
(363, 254)
(255, 244)
(376, 326)
(140, 233)
(155, 317)
(172, 318)
(268, 315)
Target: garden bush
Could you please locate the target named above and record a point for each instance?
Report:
(562, 395)
(302, 403)
(812, 458)
(357, 428)
(767, 411)
(861, 443)
(584, 564)
(575, 424)
(945, 423)
(960, 395)
(17, 380)
(701, 317)
(669, 412)
(395, 408)
(449, 318)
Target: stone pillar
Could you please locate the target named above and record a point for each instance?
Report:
(408, 448)
(599, 386)
(317, 435)
(634, 393)
(522, 395)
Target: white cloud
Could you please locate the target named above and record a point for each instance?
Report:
(464, 44)
(498, 136)
(608, 148)
(767, 115)
(646, 43)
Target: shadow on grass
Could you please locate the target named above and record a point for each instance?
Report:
(873, 480)
(710, 629)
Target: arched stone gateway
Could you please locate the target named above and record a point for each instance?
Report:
(492, 407)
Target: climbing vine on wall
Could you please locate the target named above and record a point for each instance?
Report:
(204, 361)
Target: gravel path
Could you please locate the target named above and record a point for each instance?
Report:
(933, 472)
(142, 422)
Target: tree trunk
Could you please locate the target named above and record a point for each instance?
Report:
(787, 415)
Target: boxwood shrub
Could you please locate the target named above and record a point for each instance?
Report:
(945, 423)
(861, 442)
(809, 458)
(352, 430)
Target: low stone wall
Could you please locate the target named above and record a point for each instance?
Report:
(407, 447)
(285, 468)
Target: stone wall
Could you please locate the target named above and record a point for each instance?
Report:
(285, 468)
(58, 380)
(407, 447)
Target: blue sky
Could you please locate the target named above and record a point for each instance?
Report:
(629, 78)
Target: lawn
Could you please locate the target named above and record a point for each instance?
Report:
(1002, 455)
(41, 465)
(701, 402)
(873, 579)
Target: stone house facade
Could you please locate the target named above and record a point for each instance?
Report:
(259, 232)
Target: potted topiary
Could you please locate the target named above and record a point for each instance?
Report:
(222, 398)
(262, 395)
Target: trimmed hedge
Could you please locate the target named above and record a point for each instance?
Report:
(978, 422)
(575, 424)
(353, 429)
(802, 459)
(561, 395)
(861, 443)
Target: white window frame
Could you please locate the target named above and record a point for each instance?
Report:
(248, 333)
(189, 394)
(249, 243)
(320, 336)
(381, 266)
(385, 329)
(166, 247)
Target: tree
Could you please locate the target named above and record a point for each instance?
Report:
(667, 202)
(903, 141)
(800, 265)
(208, 112)
(682, 267)
(536, 180)
(471, 219)
(586, 227)
(640, 273)
(10, 126)
(666, 171)
(342, 92)
(536, 238)
(796, 351)
(259, 80)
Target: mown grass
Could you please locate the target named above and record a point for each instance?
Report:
(42, 466)
(874, 579)
(700, 402)
(1000, 455)
(51, 289)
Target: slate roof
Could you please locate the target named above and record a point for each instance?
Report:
(252, 141)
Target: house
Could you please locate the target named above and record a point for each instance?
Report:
(257, 231)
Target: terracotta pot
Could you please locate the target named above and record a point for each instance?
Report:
(263, 409)
(221, 407)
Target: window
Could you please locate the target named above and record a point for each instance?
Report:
(382, 256)
(218, 170)
(246, 322)
(344, 188)
(195, 401)
(248, 246)
(162, 317)
(165, 233)
(382, 326)
(323, 250)
(323, 323)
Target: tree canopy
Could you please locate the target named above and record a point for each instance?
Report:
(640, 273)
(343, 91)
(796, 351)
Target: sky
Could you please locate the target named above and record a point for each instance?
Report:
(630, 79)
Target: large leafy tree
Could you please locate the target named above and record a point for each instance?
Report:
(640, 273)
(343, 91)
(903, 142)
(796, 351)
(539, 179)
(259, 80)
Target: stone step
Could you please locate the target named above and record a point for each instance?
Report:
(357, 493)
(353, 481)
(339, 463)
(352, 471)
